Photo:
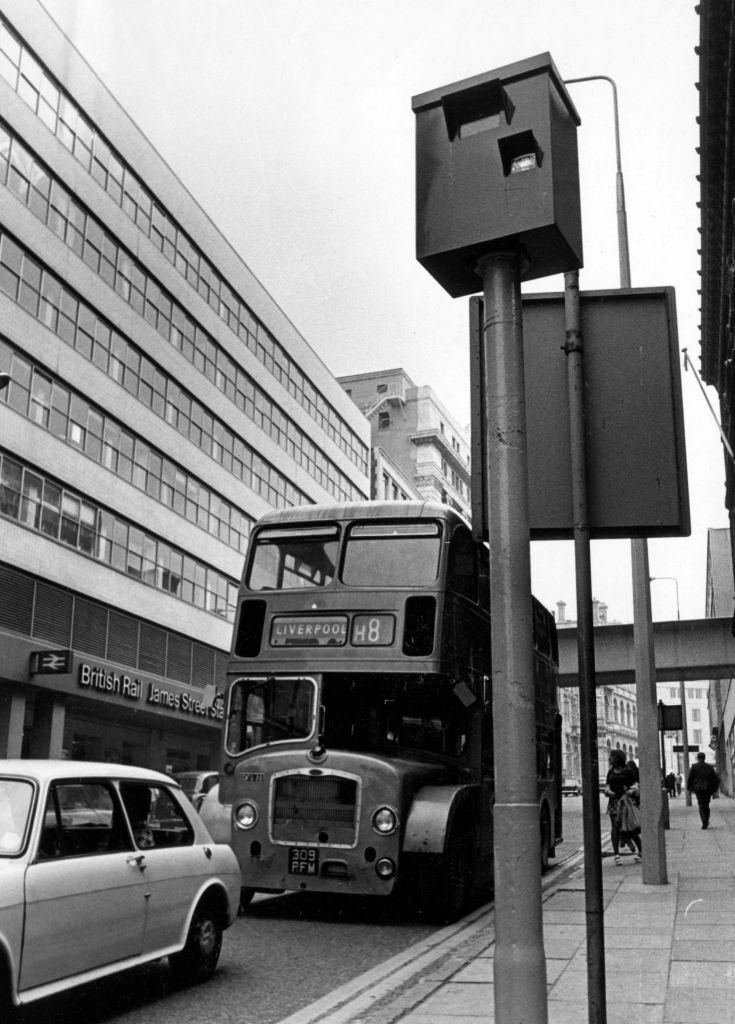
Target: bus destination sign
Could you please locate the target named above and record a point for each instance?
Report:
(309, 631)
(332, 630)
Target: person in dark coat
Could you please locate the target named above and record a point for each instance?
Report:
(704, 782)
(671, 784)
(620, 782)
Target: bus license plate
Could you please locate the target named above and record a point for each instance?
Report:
(303, 861)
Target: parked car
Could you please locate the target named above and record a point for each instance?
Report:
(218, 819)
(571, 787)
(196, 785)
(104, 867)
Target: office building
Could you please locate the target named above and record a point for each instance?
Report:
(159, 402)
(418, 435)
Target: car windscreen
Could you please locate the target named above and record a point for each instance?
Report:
(16, 800)
(293, 558)
(392, 554)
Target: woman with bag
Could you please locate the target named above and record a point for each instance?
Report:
(621, 788)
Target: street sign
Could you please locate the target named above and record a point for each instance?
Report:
(678, 748)
(50, 663)
(637, 481)
(669, 717)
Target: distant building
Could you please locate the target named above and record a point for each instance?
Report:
(698, 723)
(720, 591)
(411, 429)
(617, 712)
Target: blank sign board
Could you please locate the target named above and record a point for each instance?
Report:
(636, 460)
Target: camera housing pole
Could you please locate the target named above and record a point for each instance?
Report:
(520, 962)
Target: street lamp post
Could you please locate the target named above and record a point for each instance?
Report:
(654, 850)
(682, 700)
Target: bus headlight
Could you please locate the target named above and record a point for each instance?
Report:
(385, 821)
(245, 814)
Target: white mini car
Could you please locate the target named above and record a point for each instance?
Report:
(104, 867)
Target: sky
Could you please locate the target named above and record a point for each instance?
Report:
(290, 122)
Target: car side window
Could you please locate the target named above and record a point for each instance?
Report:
(81, 817)
(155, 815)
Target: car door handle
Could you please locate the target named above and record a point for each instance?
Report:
(139, 861)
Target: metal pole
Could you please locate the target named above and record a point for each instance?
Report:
(654, 851)
(682, 701)
(664, 792)
(652, 798)
(594, 906)
(684, 740)
(520, 962)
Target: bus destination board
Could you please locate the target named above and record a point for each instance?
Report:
(332, 630)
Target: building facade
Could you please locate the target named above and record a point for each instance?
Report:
(617, 711)
(696, 700)
(419, 436)
(159, 402)
(720, 602)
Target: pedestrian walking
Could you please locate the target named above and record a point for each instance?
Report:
(704, 782)
(621, 788)
(671, 784)
(679, 783)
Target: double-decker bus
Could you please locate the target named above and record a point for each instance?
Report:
(358, 745)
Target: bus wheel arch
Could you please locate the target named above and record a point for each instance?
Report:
(432, 816)
(440, 852)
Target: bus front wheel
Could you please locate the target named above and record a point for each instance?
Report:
(441, 886)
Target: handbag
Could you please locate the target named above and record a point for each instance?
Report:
(629, 817)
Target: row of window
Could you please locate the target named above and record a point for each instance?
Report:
(44, 296)
(72, 418)
(58, 209)
(41, 504)
(63, 117)
(625, 714)
(693, 693)
(60, 617)
(391, 490)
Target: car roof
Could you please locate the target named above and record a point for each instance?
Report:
(43, 770)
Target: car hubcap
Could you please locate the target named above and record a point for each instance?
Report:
(207, 936)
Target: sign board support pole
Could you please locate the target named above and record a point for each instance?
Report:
(652, 807)
(520, 962)
(684, 738)
(594, 907)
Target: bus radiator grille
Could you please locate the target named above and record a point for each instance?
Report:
(306, 806)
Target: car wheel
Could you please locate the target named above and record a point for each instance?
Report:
(198, 959)
(7, 1010)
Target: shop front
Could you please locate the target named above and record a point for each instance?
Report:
(71, 706)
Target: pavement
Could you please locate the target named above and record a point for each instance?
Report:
(669, 949)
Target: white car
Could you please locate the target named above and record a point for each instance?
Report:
(218, 819)
(130, 875)
(196, 785)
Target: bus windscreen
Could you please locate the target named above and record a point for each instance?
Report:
(287, 559)
(392, 555)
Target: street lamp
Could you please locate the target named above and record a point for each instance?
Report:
(682, 699)
(4, 380)
(654, 858)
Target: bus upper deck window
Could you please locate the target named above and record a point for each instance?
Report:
(293, 558)
(400, 554)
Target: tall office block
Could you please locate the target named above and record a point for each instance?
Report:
(159, 402)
